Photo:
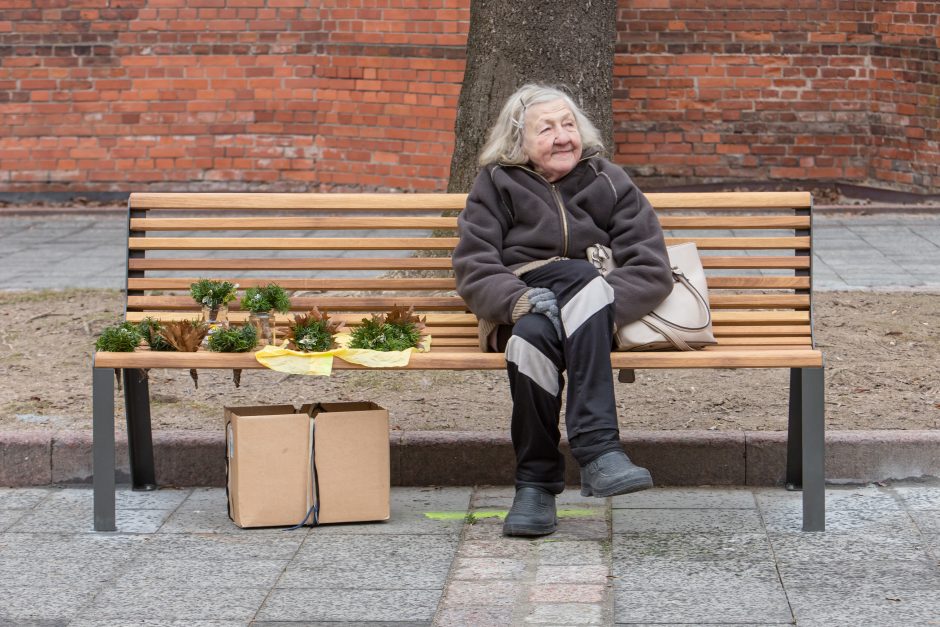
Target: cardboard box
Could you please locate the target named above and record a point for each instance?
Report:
(351, 457)
(268, 455)
(269, 450)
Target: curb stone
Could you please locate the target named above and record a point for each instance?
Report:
(453, 458)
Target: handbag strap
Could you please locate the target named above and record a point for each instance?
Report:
(663, 326)
(703, 304)
(666, 332)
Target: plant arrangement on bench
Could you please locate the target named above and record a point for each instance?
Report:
(149, 329)
(234, 340)
(119, 338)
(214, 296)
(397, 330)
(261, 302)
(312, 332)
(185, 336)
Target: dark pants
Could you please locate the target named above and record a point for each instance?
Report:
(536, 359)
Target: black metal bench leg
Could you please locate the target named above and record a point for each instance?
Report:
(139, 434)
(814, 449)
(794, 479)
(102, 450)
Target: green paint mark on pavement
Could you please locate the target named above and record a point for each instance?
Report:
(480, 514)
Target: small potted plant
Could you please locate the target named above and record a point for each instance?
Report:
(261, 302)
(214, 296)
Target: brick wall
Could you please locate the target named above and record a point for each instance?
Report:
(843, 90)
(119, 95)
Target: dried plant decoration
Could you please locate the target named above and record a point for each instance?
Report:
(312, 332)
(185, 336)
(397, 330)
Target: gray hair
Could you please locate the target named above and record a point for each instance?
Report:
(504, 144)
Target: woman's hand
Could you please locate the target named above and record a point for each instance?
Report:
(544, 302)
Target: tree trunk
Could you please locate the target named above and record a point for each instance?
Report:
(532, 41)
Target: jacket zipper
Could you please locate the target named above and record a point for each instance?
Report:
(564, 218)
(562, 214)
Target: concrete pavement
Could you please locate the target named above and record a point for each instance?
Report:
(671, 555)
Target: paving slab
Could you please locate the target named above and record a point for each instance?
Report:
(655, 547)
(687, 498)
(128, 602)
(833, 546)
(916, 574)
(688, 521)
(404, 604)
(761, 604)
(868, 605)
(374, 562)
(45, 519)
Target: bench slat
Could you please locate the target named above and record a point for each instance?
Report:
(419, 243)
(720, 319)
(431, 222)
(290, 201)
(385, 284)
(739, 262)
(729, 357)
(331, 223)
(376, 284)
(291, 243)
(421, 303)
(285, 263)
(731, 200)
(303, 303)
(411, 202)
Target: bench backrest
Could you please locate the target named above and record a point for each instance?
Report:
(357, 254)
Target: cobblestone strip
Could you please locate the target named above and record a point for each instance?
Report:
(561, 579)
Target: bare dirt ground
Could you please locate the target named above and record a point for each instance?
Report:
(882, 353)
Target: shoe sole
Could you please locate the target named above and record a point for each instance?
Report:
(529, 530)
(635, 484)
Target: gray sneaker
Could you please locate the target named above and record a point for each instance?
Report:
(532, 513)
(613, 473)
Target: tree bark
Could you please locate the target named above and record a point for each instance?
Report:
(526, 41)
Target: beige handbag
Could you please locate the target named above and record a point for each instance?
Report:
(681, 322)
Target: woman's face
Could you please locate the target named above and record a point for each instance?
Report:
(551, 139)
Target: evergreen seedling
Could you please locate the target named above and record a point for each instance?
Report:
(120, 338)
(265, 299)
(234, 340)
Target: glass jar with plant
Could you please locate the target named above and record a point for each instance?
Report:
(214, 296)
(261, 302)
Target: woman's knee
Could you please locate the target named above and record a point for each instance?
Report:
(536, 329)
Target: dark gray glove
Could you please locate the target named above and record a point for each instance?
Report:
(544, 302)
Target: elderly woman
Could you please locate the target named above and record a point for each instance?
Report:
(543, 196)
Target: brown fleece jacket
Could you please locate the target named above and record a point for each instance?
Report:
(514, 216)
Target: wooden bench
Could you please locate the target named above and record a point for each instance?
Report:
(353, 254)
